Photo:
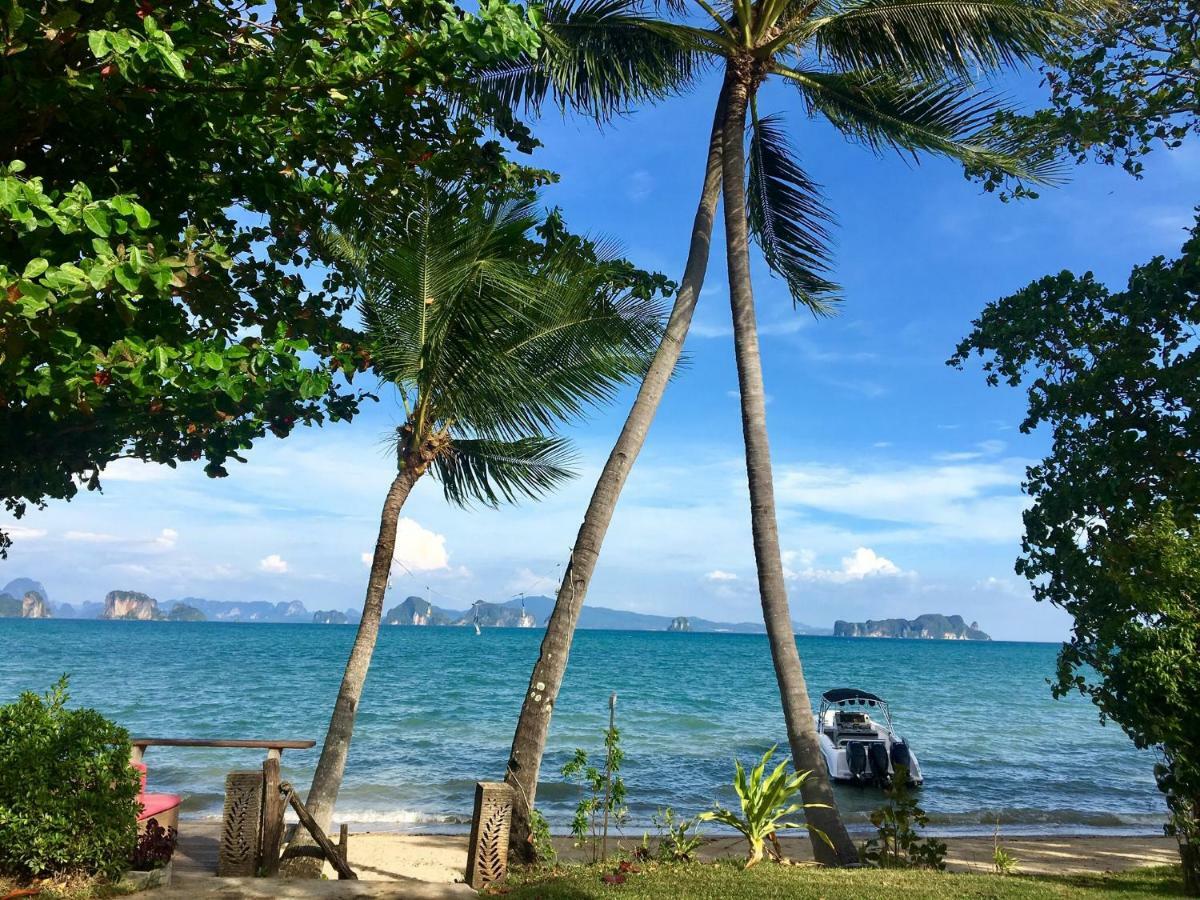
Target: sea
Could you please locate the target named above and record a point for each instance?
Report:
(997, 750)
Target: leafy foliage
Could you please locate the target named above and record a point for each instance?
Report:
(766, 802)
(1113, 533)
(67, 791)
(163, 170)
(491, 336)
(603, 792)
(678, 838)
(1118, 89)
(155, 847)
(898, 844)
(542, 839)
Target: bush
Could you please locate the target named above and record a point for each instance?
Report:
(155, 847)
(67, 791)
(900, 844)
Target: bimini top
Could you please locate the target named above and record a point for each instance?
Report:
(842, 695)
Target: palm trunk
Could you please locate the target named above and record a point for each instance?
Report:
(529, 740)
(300, 861)
(797, 709)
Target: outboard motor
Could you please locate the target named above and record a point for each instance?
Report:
(879, 761)
(900, 755)
(856, 756)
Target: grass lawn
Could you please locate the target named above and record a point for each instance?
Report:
(727, 881)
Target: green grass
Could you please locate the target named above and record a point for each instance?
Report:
(727, 881)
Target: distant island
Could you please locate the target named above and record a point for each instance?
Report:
(931, 626)
(26, 598)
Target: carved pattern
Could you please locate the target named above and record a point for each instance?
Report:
(487, 861)
(240, 825)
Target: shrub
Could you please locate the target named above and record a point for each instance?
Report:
(603, 794)
(678, 838)
(899, 844)
(67, 791)
(155, 847)
(542, 840)
(767, 801)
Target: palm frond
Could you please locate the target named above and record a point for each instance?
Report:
(949, 118)
(599, 57)
(935, 38)
(788, 219)
(490, 472)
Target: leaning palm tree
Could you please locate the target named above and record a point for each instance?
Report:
(887, 73)
(490, 341)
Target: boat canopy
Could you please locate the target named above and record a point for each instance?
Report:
(842, 695)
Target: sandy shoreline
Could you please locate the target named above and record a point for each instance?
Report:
(441, 859)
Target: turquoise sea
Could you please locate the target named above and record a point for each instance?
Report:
(440, 706)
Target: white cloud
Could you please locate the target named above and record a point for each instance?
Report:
(882, 444)
(134, 470)
(417, 549)
(958, 502)
(866, 563)
(640, 185)
(22, 533)
(166, 538)
(274, 563)
(720, 575)
(529, 582)
(861, 564)
(91, 537)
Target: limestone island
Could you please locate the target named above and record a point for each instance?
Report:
(931, 626)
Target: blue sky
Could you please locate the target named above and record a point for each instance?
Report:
(897, 477)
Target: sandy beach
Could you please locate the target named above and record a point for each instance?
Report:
(441, 859)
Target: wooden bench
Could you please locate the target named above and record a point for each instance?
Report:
(252, 823)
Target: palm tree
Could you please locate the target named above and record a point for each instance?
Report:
(886, 73)
(491, 340)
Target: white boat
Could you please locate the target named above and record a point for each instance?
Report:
(859, 742)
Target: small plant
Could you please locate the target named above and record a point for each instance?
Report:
(678, 839)
(767, 801)
(603, 793)
(67, 791)
(154, 849)
(543, 843)
(1002, 861)
(899, 844)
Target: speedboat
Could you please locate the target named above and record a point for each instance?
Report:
(858, 741)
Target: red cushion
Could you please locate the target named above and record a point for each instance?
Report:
(156, 804)
(141, 767)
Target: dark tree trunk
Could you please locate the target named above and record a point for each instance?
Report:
(529, 740)
(797, 709)
(327, 780)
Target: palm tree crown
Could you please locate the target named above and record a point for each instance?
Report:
(492, 340)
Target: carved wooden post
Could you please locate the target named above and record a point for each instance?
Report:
(241, 824)
(487, 853)
(272, 816)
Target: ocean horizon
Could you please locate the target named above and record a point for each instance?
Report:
(441, 702)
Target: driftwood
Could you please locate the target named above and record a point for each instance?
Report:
(322, 839)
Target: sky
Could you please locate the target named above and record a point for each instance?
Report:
(897, 478)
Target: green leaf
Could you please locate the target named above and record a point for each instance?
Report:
(35, 267)
(97, 220)
(98, 43)
(214, 360)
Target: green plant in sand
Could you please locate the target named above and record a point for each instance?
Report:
(899, 843)
(766, 803)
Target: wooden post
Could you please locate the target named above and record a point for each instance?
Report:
(272, 816)
(344, 843)
(487, 852)
(322, 839)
